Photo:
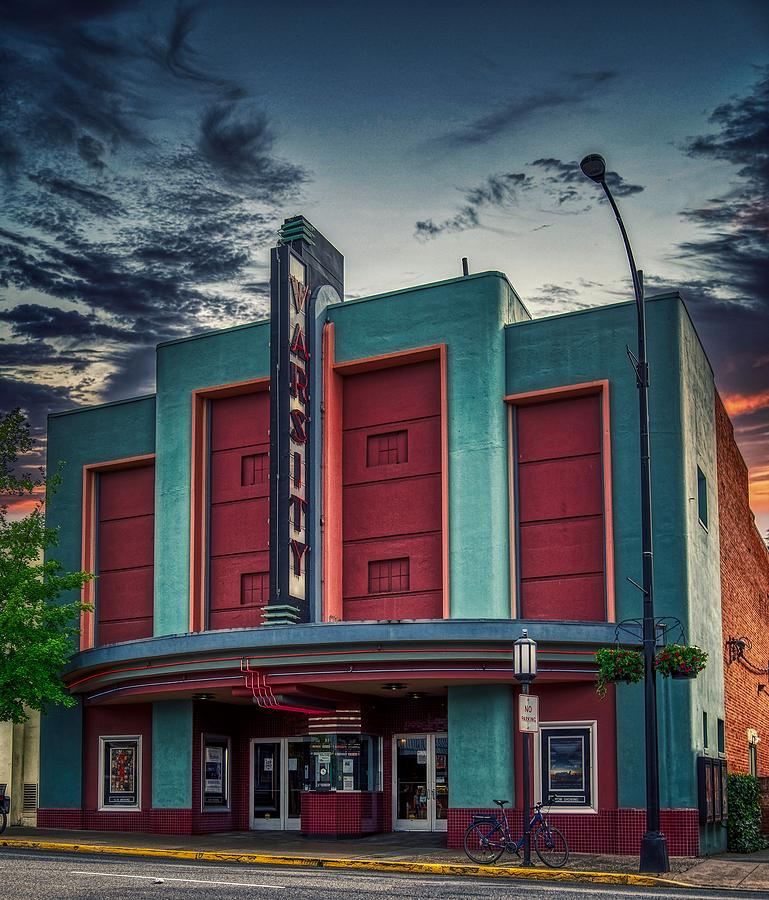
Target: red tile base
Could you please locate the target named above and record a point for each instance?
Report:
(340, 814)
(608, 831)
(155, 821)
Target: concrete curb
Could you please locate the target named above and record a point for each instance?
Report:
(371, 865)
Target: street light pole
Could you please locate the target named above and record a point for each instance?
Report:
(525, 671)
(654, 850)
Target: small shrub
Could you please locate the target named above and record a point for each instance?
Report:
(615, 664)
(744, 825)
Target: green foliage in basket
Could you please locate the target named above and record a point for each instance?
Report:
(615, 664)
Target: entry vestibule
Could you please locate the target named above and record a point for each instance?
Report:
(280, 770)
(420, 782)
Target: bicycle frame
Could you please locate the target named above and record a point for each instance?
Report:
(514, 846)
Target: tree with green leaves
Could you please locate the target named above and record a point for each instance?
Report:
(36, 632)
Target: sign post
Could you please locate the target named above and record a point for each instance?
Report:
(528, 713)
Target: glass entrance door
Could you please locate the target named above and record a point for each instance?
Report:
(297, 776)
(267, 784)
(280, 770)
(420, 782)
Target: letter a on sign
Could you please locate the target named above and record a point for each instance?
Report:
(528, 713)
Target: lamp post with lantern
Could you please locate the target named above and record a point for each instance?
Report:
(525, 671)
(654, 848)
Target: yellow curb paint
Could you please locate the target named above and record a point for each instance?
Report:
(379, 865)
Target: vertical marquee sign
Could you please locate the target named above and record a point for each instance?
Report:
(304, 267)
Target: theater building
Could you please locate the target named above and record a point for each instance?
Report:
(319, 539)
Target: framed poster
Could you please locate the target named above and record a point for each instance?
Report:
(566, 758)
(215, 774)
(120, 772)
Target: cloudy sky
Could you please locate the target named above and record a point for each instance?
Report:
(149, 151)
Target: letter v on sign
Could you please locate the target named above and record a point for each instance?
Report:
(299, 293)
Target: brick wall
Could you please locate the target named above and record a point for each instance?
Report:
(745, 602)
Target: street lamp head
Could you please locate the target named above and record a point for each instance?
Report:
(525, 658)
(594, 166)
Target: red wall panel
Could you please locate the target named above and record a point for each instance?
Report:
(424, 452)
(578, 431)
(560, 503)
(395, 394)
(239, 506)
(397, 506)
(392, 510)
(103, 721)
(578, 701)
(125, 554)
(239, 421)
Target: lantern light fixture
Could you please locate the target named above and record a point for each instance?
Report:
(525, 658)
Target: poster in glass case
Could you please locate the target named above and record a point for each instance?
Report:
(120, 772)
(215, 775)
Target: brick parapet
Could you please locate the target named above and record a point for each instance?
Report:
(744, 601)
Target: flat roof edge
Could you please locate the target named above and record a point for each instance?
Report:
(92, 406)
(491, 273)
(213, 333)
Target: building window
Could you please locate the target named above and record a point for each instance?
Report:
(753, 759)
(254, 469)
(721, 737)
(753, 740)
(254, 587)
(702, 497)
(388, 575)
(705, 730)
(566, 765)
(387, 449)
(215, 774)
(120, 772)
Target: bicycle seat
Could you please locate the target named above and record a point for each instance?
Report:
(501, 803)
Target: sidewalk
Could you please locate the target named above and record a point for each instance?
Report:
(731, 870)
(396, 852)
(413, 852)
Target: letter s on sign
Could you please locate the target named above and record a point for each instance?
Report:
(298, 434)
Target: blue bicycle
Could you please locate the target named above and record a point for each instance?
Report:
(488, 836)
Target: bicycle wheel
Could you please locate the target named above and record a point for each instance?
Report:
(484, 842)
(551, 846)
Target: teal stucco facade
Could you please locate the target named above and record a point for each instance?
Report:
(406, 681)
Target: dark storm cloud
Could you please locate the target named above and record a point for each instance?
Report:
(157, 244)
(561, 181)
(497, 191)
(36, 400)
(731, 255)
(577, 90)
(238, 145)
(91, 152)
(48, 322)
(10, 153)
(177, 55)
(567, 180)
(728, 292)
(53, 13)
(94, 201)
(552, 299)
(34, 354)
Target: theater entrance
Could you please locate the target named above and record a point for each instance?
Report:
(280, 769)
(420, 782)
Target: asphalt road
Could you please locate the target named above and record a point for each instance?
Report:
(45, 875)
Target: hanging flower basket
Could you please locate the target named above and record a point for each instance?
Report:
(615, 664)
(680, 661)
